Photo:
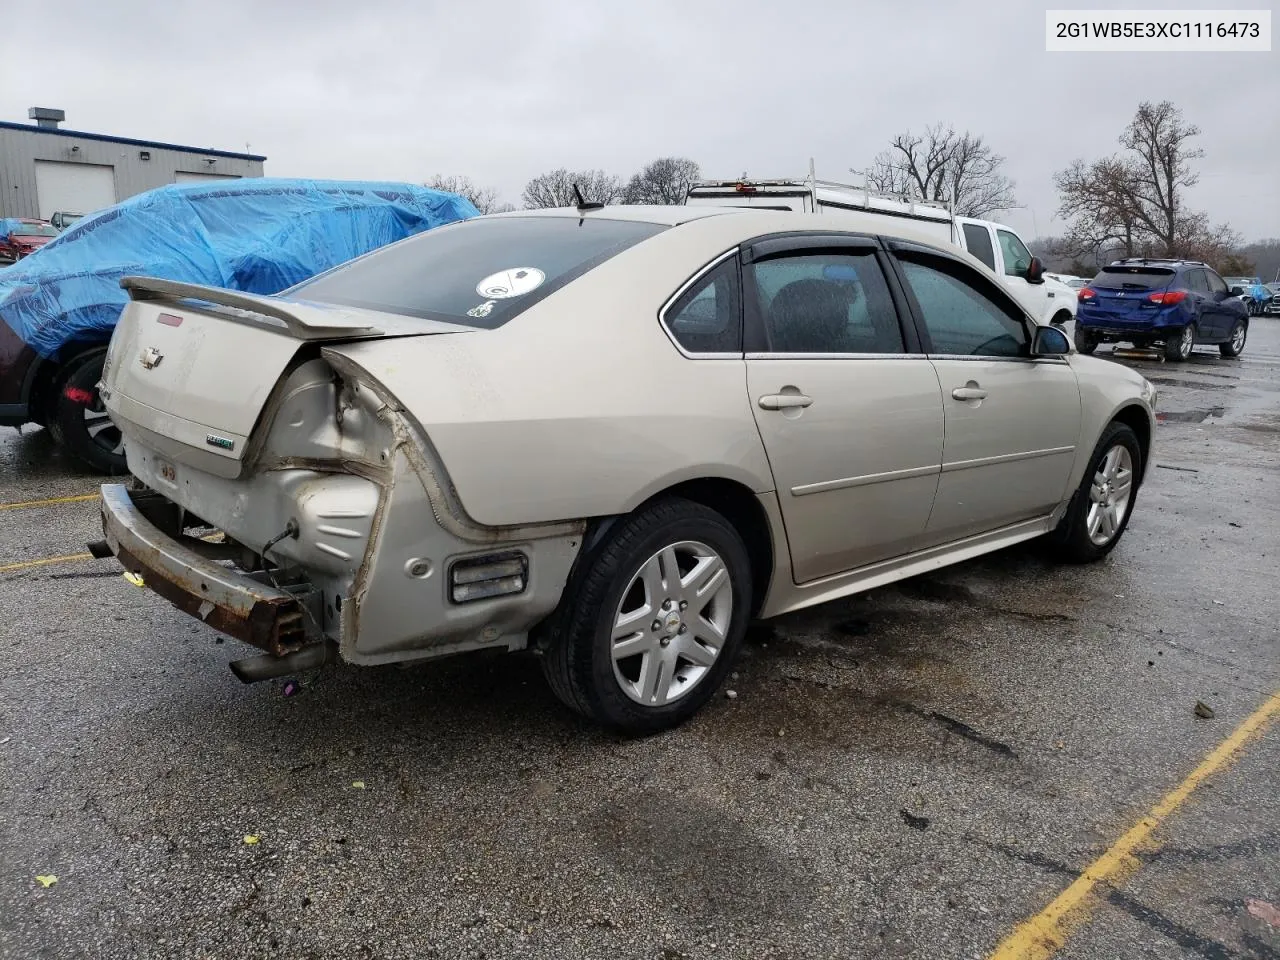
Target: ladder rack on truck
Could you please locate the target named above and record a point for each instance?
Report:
(816, 196)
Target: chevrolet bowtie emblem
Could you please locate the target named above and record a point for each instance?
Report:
(151, 358)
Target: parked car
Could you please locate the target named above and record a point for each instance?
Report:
(260, 235)
(63, 219)
(21, 237)
(615, 434)
(1273, 305)
(1255, 294)
(1077, 283)
(1171, 303)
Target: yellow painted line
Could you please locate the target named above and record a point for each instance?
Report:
(47, 561)
(53, 501)
(1045, 933)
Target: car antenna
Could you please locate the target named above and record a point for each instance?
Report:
(586, 204)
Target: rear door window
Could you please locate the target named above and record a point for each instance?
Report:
(478, 272)
(977, 240)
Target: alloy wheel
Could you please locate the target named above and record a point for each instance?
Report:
(671, 623)
(1109, 495)
(102, 431)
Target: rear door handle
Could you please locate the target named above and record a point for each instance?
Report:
(784, 401)
(969, 393)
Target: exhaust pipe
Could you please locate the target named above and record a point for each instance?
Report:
(268, 667)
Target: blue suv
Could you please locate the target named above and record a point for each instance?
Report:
(1174, 303)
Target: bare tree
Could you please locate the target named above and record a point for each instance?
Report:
(941, 164)
(555, 188)
(1133, 202)
(484, 198)
(665, 181)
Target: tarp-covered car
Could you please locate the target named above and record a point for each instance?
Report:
(60, 305)
(614, 435)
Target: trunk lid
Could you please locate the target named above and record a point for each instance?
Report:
(190, 368)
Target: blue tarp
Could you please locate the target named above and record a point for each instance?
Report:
(257, 235)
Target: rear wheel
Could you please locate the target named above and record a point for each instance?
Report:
(1178, 346)
(1086, 342)
(651, 622)
(1099, 512)
(80, 422)
(1235, 346)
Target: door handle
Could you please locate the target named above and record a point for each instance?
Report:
(969, 393)
(784, 401)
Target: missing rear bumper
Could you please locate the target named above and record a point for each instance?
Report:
(273, 618)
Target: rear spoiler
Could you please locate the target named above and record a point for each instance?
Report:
(300, 325)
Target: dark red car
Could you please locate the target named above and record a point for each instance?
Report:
(20, 238)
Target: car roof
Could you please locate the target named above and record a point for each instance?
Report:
(752, 220)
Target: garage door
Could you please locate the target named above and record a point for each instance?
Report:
(74, 187)
(183, 177)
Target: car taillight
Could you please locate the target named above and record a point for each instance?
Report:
(1168, 297)
(1085, 294)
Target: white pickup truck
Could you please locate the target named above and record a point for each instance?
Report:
(995, 244)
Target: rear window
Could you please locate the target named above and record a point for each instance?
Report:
(1132, 278)
(34, 230)
(478, 272)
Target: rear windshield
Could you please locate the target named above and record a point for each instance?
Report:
(34, 230)
(1132, 278)
(477, 272)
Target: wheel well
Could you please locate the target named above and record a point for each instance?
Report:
(49, 371)
(1057, 317)
(1135, 418)
(737, 504)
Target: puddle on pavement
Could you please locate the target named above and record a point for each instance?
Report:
(1190, 384)
(1189, 416)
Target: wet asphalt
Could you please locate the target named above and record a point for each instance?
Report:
(907, 773)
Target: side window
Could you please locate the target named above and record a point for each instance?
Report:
(826, 303)
(977, 240)
(1198, 281)
(1216, 283)
(708, 316)
(963, 316)
(1017, 258)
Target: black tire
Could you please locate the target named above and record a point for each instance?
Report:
(1177, 348)
(1071, 540)
(577, 659)
(1234, 347)
(79, 420)
(1086, 342)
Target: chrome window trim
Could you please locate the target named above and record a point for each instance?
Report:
(680, 292)
(776, 355)
(991, 359)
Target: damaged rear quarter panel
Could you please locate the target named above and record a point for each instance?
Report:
(581, 406)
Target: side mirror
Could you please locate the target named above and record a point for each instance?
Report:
(1049, 342)
(1035, 271)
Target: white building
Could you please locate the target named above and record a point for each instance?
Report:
(45, 169)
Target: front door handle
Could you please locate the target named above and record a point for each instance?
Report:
(971, 392)
(784, 401)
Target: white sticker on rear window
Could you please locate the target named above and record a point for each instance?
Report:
(515, 282)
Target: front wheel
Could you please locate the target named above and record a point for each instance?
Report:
(650, 624)
(82, 423)
(1086, 342)
(1235, 346)
(1099, 512)
(1178, 347)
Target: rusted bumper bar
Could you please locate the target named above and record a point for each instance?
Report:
(231, 602)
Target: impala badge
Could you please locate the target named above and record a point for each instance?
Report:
(151, 358)
(213, 440)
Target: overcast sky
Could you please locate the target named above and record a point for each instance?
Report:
(402, 89)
